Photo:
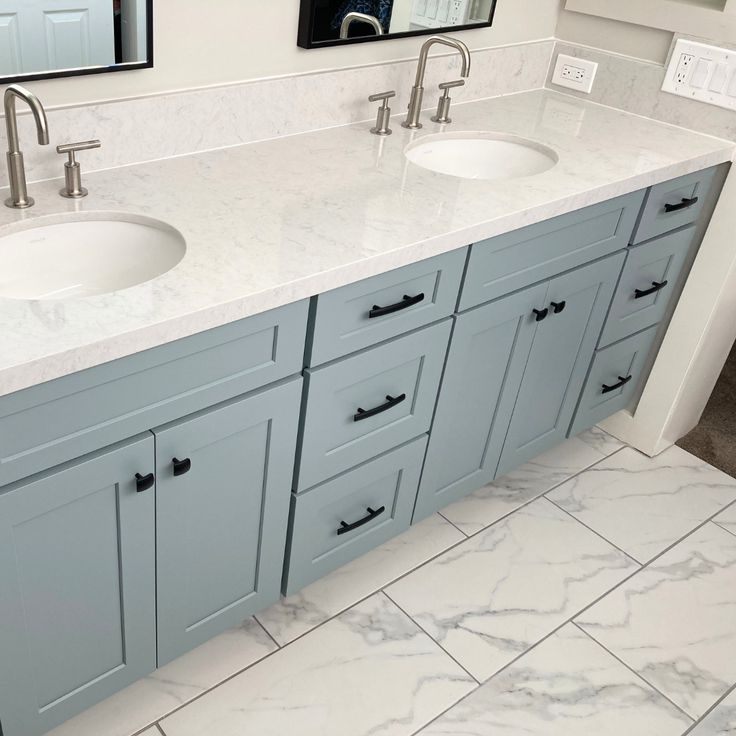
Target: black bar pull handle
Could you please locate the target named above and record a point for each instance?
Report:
(391, 402)
(656, 286)
(558, 307)
(621, 382)
(144, 482)
(540, 314)
(405, 303)
(181, 467)
(682, 205)
(345, 527)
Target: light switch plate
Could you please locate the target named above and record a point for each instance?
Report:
(702, 72)
(574, 73)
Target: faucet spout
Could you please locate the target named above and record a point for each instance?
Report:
(417, 91)
(355, 17)
(19, 198)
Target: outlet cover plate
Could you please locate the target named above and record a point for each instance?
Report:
(702, 72)
(574, 73)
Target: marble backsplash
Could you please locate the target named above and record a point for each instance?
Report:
(161, 126)
(635, 85)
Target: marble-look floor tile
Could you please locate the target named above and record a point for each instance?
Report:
(600, 440)
(153, 731)
(566, 686)
(674, 622)
(178, 682)
(371, 670)
(498, 499)
(721, 721)
(492, 597)
(299, 613)
(643, 505)
(727, 519)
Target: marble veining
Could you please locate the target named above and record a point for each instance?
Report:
(273, 222)
(489, 599)
(566, 686)
(673, 622)
(371, 670)
(642, 504)
(721, 721)
(299, 613)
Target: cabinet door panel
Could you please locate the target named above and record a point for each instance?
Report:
(560, 356)
(488, 352)
(221, 524)
(77, 615)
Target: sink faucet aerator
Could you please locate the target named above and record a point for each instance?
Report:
(19, 198)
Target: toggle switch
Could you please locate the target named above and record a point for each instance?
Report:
(719, 78)
(700, 73)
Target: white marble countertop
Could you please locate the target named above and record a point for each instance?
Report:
(269, 223)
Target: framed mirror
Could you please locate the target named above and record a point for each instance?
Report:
(336, 22)
(42, 39)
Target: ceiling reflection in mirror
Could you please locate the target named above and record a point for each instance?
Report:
(334, 22)
(49, 38)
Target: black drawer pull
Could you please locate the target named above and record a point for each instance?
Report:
(683, 205)
(345, 527)
(181, 467)
(405, 303)
(540, 314)
(559, 307)
(656, 286)
(391, 402)
(144, 482)
(621, 382)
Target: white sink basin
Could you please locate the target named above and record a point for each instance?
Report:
(70, 258)
(489, 156)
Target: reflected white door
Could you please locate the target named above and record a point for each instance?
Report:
(43, 35)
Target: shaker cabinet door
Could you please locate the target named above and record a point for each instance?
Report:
(224, 485)
(77, 586)
(564, 344)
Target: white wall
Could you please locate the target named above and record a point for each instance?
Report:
(200, 44)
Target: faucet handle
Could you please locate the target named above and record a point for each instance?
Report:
(72, 170)
(447, 86)
(443, 106)
(72, 148)
(384, 113)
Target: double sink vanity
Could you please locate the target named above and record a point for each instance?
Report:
(227, 374)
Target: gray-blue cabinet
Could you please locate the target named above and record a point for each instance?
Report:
(77, 586)
(224, 481)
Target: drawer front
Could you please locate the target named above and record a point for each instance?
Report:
(513, 261)
(618, 365)
(336, 437)
(351, 514)
(46, 425)
(648, 283)
(673, 204)
(377, 309)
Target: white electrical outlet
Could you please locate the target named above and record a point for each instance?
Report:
(574, 73)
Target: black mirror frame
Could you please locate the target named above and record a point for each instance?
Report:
(306, 22)
(124, 67)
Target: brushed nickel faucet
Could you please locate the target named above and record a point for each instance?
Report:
(417, 91)
(19, 198)
(364, 18)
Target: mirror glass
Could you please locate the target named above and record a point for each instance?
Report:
(333, 22)
(40, 39)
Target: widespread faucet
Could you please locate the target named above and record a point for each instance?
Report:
(19, 198)
(417, 91)
(363, 18)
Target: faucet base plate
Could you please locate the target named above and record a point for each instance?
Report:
(410, 126)
(64, 192)
(9, 202)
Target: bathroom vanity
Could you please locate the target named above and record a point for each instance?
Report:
(153, 497)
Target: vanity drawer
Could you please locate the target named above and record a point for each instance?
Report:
(516, 260)
(351, 514)
(673, 204)
(369, 403)
(647, 285)
(619, 365)
(45, 425)
(379, 308)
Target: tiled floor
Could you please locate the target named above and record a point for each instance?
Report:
(592, 591)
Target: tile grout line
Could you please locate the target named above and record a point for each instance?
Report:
(268, 633)
(635, 673)
(465, 534)
(158, 726)
(706, 713)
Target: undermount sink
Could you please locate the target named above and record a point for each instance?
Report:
(489, 156)
(69, 257)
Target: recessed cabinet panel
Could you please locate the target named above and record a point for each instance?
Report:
(222, 509)
(77, 582)
(489, 349)
(560, 356)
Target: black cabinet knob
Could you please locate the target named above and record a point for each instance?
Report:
(144, 482)
(559, 307)
(181, 466)
(540, 314)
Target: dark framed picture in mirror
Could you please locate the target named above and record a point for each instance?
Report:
(42, 39)
(337, 22)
